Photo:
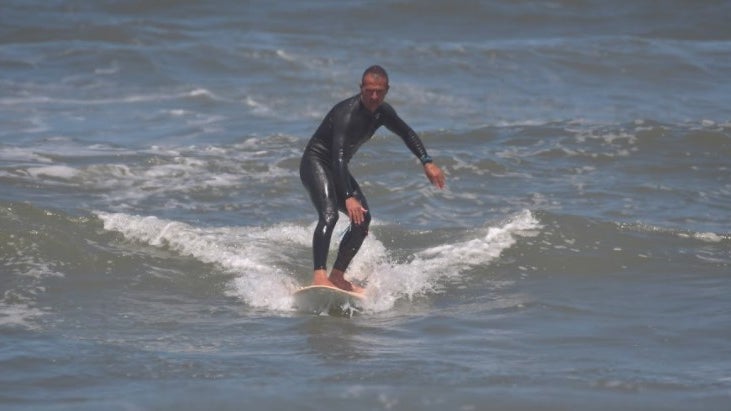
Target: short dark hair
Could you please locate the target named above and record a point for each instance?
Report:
(375, 70)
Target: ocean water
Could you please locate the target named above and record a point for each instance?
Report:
(153, 226)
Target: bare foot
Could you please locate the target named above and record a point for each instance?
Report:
(342, 284)
(337, 277)
(320, 278)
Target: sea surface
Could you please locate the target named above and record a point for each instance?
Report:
(153, 225)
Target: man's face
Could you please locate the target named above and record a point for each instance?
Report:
(373, 91)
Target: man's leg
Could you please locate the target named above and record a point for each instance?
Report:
(317, 180)
(350, 244)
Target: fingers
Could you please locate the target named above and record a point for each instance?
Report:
(438, 180)
(357, 215)
(435, 175)
(356, 212)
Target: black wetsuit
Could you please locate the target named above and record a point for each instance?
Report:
(324, 171)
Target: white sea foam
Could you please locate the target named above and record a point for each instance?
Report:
(258, 107)
(59, 172)
(436, 265)
(169, 171)
(706, 237)
(18, 305)
(253, 255)
(123, 99)
(22, 154)
(245, 252)
(19, 315)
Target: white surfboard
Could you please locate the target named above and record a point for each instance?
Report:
(318, 299)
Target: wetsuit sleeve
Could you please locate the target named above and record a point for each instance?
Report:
(394, 123)
(339, 160)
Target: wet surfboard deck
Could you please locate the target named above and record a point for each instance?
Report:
(319, 299)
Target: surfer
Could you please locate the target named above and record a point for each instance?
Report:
(324, 171)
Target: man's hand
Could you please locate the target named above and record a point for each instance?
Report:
(434, 174)
(356, 212)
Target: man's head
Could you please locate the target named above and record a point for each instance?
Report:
(373, 87)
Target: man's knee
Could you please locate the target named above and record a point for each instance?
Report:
(329, 219)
